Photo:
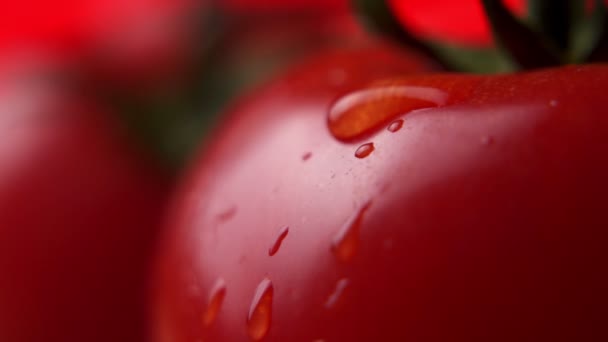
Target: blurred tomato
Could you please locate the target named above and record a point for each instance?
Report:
(124, 40)
(79, 209)
(69, 23)
(282, 5)
(453, 21)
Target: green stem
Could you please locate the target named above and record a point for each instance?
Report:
(553, 19)
(599, 26)
(525, 46)
(378, 17)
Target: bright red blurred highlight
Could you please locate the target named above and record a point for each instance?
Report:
(460, 21)
(61, 25)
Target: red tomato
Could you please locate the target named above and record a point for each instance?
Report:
(461, 22)
(125, 41)
(447, 20)
(79, 210)
(340, 71)
(70, 24)
(422, 208)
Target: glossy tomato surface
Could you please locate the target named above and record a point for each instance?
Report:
(333, 206)
(79, 210)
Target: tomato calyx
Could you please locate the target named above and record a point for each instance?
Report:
(555, 32)
(378, 17)
(522, 44)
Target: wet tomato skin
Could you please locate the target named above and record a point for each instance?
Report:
(481, 219)
(177, 313)
(80, 204)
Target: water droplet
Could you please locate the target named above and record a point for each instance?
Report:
(260, 311)
(337, 293)
(363, 111)
(227, 214)
(306, 156)
(345, 243)
(395, 125)
(364, 150)
(277, 243)
(216, 298)
(487, 140)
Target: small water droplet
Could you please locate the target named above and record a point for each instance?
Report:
(487, 140)
(306, 156)
(553, 103)
(345, 243)
(364, 150)
(277, 243)
(337, 293)
(260, 311)
(227, 214)
(363, 111)
(395, 125)
(216, 298)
